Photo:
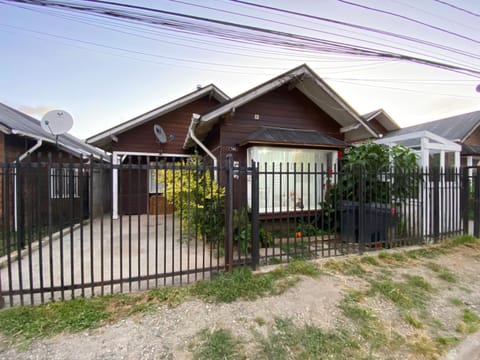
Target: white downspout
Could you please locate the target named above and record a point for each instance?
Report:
(195, 121)
(20, 158)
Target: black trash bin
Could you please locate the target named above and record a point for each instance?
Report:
(349, 221)
(379, 218)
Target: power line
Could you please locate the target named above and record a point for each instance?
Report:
(273, 37)
(365, 28)
(407, 18)
(457, 8)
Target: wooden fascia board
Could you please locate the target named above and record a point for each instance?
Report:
(472, 130)
(171, 106)
(339, 100)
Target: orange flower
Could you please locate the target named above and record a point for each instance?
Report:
(298, 234)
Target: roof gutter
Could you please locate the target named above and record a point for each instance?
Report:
(191, 131)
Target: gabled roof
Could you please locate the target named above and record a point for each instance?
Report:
(357, 132)
(305, 80)
(274, 135)
(455, 128)
(211, 90)
(383, 118)
(14, 122)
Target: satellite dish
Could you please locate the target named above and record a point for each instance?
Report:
(160, 134)
(57, 122)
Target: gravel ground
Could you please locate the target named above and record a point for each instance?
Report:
(169, 332)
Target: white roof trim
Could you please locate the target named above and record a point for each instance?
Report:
(160, 111)
(75, 150)
(299, 72)
(445, 143)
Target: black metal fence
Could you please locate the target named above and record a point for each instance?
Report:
(63, 233)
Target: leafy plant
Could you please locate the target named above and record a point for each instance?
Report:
(374, 173)
(197, 198)
(266, 237)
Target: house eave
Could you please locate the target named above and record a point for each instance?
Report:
(112, 133)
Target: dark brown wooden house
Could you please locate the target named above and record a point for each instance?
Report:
(294, 119)
(134, 142)
(40, 179)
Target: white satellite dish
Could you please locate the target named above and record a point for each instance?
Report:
(160, 134)
(57, 122)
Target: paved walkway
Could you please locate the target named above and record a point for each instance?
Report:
(104, 250)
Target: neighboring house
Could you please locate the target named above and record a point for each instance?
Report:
(135, 139)
(22, 140)
(379, 121)
(448, 142)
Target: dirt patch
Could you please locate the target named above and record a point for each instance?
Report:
(168, 332)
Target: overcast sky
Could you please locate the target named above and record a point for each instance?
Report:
(105, 71)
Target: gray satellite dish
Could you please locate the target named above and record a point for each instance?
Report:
(160, 134)
(57, 122)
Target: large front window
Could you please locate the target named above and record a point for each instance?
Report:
(292, 179)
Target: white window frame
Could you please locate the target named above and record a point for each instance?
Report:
(156, 187)
(298, 198)
(60, 182)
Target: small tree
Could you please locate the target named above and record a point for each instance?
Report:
(197, 198)
(386, 174)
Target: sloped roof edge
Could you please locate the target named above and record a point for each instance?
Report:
(163, 109)
(18, 123)
(296, 74)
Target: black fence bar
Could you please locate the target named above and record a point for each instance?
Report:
(62, 240)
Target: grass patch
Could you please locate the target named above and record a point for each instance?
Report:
(426, 347)
(456, 302)
(413, 321)
(28, 322)
(287, 341)
(442, 272)
(461, 240)
(243, 284)
(447, 341)
(169, 295)
(428, 253)
(367, 324)
(218, 344)
(351, 267)
(412, 293)
(228, 287)
(296, 267)
(370, 260)
(470, 322)
(392, 257)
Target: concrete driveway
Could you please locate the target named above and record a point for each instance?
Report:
(136, 252)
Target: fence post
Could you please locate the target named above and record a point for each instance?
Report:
(464, 203)
(361, 210)
(229, 214)
(436, 203)
(255, 218)
(476, 208)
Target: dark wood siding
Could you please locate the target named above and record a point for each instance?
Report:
(134, 194)
(379, 128)
(279, 108)
(176, 123)
(34, 182)
(474, 138)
